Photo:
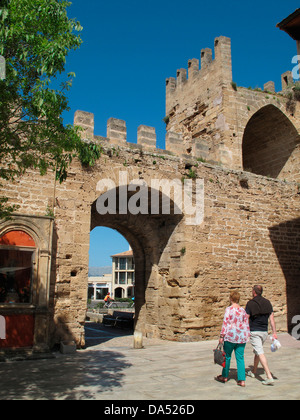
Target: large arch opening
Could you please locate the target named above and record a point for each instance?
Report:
(104, 276)
(148, 236)
(111, 275)
(271, 145)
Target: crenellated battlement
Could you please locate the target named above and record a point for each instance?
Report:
(208, 116)
(146, 136)
(208, 66)
(116, 131)
(195, 103)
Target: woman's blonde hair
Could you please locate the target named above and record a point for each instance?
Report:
(235, 296)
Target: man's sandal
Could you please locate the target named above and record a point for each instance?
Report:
(268, 381)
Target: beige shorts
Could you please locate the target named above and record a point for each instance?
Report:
(257, 339)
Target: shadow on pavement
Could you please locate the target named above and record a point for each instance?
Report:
(80, 376)
(96, 333)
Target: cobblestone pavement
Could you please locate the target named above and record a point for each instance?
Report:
(111, 369)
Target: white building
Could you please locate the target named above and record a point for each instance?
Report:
(123, 274)
(99, 285)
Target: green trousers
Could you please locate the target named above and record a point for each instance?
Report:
(239, 350)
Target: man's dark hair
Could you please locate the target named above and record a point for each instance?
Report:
(258, 290)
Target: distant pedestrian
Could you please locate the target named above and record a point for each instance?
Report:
(107, 299)
(235, 334)
(260, 310)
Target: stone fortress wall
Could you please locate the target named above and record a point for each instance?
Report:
(244, 145)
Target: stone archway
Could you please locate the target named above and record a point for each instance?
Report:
(271, 144)
(149, 236)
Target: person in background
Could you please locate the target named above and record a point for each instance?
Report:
(108, 299)
(259, 311)
(234, 335)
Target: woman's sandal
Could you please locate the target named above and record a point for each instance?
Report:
(241, 383)
(221, 379)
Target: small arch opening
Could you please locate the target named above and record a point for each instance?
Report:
(17, 259)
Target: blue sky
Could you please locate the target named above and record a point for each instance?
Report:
(105, 242)
(130, 47)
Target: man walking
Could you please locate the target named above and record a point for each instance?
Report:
(260, 310)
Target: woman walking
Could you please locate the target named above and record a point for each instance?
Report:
(235, 334)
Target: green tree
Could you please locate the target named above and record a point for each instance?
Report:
(35, 39)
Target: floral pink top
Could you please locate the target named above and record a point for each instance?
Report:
(235, 327)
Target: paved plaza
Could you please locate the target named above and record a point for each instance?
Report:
(110, 369)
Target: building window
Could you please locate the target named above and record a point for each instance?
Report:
(130, 264)
(122, 277)
(17, 257)
(101, 292)
(122, 264)
(130, 278)
(91, 292)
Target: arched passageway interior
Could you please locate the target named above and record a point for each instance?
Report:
(271, 145)
(148, 235)
(106, 272)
